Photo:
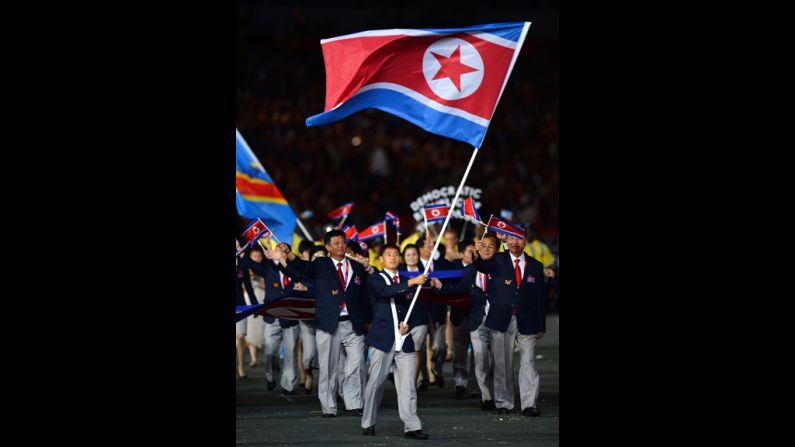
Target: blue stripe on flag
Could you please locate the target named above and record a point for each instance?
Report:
(396, 103)
(510, 31)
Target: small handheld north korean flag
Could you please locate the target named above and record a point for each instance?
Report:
(372, 232)
(351, 234)
(504, 227)
(469, 211)
(256, 230)
(340, 212)
(390, 217)
(435, 213)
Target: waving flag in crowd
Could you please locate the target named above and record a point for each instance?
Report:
(435, 213)
(505, 227)
(351, 234)
(341, 212)
(469, 211)
(372, 232)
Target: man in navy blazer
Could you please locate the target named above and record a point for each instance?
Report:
(516, 304)
(463, 365)
(478, 285)
(342, 311)
(391, 297)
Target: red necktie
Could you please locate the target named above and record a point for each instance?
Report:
(395, 279)
(483, 280)
(285, 280)
(342, 282)
(518, 272)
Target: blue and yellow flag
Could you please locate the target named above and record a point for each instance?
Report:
(258, 197)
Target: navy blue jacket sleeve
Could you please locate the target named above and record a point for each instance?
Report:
(489, 266)
(378, 289)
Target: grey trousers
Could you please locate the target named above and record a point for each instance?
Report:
(418, 335)
(380, 363)
(328, 351)
(502, 348)
(439, 349)
(484, 362)
(528, 376)
(276, 336)
(307, 333)
(460, 358)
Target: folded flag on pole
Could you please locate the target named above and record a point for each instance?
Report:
(469, 211)
(257, 196)
(292, 305)
(504, 227)
(350, 233)
(390, 217)
(435, 213)
(340, 212)
(447, 81)
(244, 311)
(372, 232)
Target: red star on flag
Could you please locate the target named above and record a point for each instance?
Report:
(451, 67)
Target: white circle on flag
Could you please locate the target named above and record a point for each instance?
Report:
(501, 224)
(256, 230)
(468, 56)
(435, 213)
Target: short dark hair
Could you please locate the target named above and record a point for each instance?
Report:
(421, 242)
(315, 249)
(305, 245)
(355, 248)
(388, 246)
(493, 237)
(330, 234)
(410, 246)
(462, 246)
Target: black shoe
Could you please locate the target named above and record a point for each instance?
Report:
(531, 412)
(391, 377)
(423, 387)
(271, 385)
(288, 393)
(329, 415)
(308, 390)
(440, 381)
(354, 412)
(369, 431)
(459, 392)
(416, 434)
(502, 411)
(487, 405)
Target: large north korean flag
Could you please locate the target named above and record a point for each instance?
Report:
(447, 81)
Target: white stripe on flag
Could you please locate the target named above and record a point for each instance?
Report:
(399, 32)
(423, 100)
